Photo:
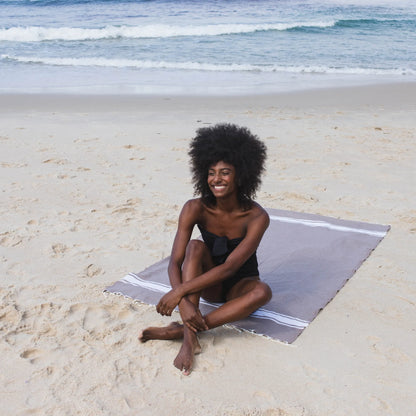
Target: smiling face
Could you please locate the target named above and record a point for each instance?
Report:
(222, 180)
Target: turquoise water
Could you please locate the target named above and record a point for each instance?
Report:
(212, 47)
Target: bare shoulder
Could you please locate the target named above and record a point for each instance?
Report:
(193, 205)
(192, 210)
(258, 211)
(259, 215)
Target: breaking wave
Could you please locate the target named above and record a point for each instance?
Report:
(196, 66)
(39, 33)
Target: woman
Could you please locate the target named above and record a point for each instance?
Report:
(227, 162)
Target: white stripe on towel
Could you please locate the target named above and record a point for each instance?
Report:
(324, 224)
(278, 318)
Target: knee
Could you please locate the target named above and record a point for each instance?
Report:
(195, 248)
(263, 293)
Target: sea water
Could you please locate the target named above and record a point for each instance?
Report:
(203, 47)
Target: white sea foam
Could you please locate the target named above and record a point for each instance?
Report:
(39, 33)
(197, 66)
(276, 46)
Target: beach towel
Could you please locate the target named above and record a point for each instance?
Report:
(305, 259)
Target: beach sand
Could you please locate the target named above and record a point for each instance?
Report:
(91, 188)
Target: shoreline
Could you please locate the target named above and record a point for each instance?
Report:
(392, 95)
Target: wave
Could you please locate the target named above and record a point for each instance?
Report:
(42, 3)
(369, 23)
(196, 66)
(66, 2)
(46, 3)
(39, 33)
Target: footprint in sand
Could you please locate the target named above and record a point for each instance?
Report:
(56, 161)
(33, 355)
(92, 270)
(9, 239)
(379, 405)
(124, 210)
(127, 207)
(59, 248)
(12, 165)
(95, 318)
(92, 139)
(10, 315)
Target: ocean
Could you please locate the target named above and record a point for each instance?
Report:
(203, 47)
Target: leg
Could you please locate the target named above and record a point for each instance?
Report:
(172, 331)
(197, 260)
(245, 297)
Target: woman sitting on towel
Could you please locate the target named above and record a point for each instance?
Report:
(226, 162)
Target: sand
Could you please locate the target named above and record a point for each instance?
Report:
(91, 187)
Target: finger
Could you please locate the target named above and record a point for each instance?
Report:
(160, 308)
(162, 311)
(191, 327)
(199, 326)
(200, 323)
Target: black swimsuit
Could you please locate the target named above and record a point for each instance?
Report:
(220, 248)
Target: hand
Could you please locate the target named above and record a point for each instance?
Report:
(191, 316)
(169, 302)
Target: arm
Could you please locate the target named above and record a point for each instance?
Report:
(187, 220)
(190, 313)
(255, 230)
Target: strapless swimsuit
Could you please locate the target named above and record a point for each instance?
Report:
(220, 248)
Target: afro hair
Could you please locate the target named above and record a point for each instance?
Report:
(230, 144)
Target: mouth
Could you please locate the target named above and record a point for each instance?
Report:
(218, 187)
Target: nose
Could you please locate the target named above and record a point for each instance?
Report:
(216, 178)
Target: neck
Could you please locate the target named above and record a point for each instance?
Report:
(229, 203)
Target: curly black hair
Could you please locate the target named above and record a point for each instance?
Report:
(230, 144)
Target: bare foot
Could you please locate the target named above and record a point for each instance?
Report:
(172, 331)
(185, 357)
